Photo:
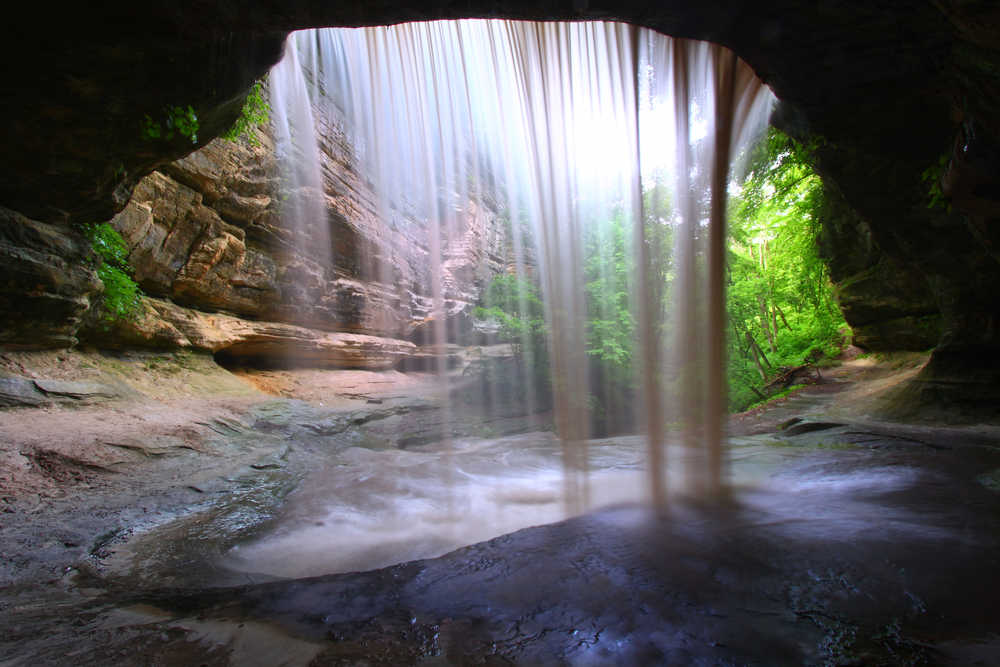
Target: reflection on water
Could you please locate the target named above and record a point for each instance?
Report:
(830, 554)
(386, 507)
(382, 508)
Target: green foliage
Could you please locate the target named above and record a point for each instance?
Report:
(513, 305)
(256, 111)
(933, 174)
(122, 296)
(608, 270)
(610, 323)
(179, 120)
(515, 308)
(779, 291)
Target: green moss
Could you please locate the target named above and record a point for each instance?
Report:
(178, 120)
(933, 174)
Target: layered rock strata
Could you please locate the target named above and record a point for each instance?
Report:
(47, 282)
(164, 325)
(888, 308)
(210, 232)
(210, 245)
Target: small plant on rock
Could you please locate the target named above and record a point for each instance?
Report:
(179, 120)
(122, 296)
(256, 111)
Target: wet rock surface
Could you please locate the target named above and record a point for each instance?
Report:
(864, 542)
(179, 432)
(874, 552)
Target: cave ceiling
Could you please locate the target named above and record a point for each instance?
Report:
(881, 77)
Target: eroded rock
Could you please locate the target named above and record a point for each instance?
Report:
(211, 232)
(15, 391)
(242, 341)
(82, 391)
(47, 282)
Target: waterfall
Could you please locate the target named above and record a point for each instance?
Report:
(588, 135)
(302, 180)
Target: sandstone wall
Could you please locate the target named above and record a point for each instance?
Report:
(47, 283)
(210, 243)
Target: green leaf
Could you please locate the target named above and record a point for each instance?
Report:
(122, 296)
(256, 111)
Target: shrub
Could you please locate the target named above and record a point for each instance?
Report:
(122, 296)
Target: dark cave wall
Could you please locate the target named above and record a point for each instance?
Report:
(891, 87)
(874, 77)
(47, 282)
(889, 309)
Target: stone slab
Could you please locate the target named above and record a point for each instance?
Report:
(16, 391)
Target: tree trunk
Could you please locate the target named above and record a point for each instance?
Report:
(756, 359)
(765, 318)
(782, 315)
(760, 352)
(736, 331)
(774, 316)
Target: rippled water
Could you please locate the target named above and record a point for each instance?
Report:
(386, 507)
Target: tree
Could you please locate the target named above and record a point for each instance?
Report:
(780, 294)
(513, 306)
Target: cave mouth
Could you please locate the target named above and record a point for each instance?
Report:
(604, 148)
(774, 549)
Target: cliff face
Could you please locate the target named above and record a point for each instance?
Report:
(888, 308)
(210, 244)
(47, 282)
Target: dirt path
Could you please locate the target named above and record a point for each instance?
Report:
(852, 391)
